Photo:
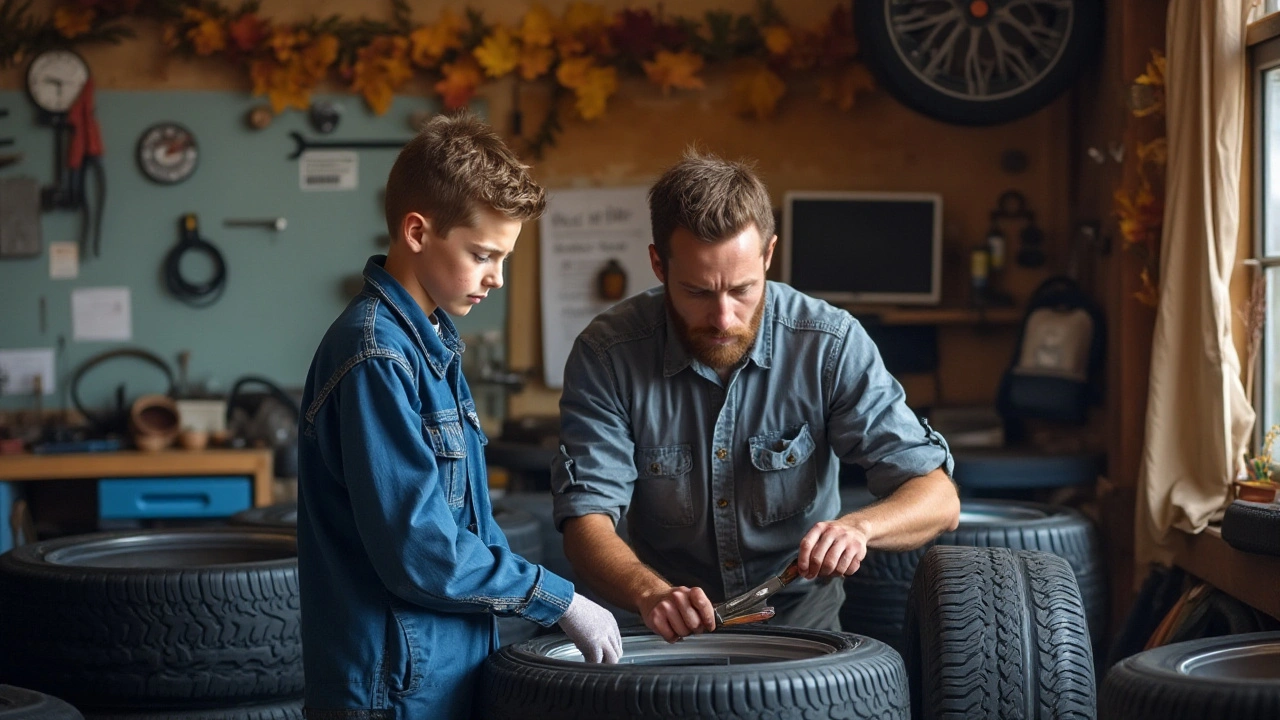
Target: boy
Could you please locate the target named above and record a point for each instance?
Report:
(401, 564)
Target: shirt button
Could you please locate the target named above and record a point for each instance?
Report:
(791, 459)
(654, 468)
(721, 503)
(722, 454)
(729, 564)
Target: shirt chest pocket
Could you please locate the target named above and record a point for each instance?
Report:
(784, 481)
(449, 444)
(662, 493)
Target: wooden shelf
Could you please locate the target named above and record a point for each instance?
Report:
(1248, 577)
(895, 315)
(133, 463)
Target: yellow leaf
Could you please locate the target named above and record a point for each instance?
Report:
(842, 86)
(498, 54)
(431, 42)
(1155, 152)
(1155, 70)
(572, 72)
(535, 61)
(208, 37)
(72, 21)
(777, 39)
(675, 70)
(757, 90)
(536, 28)
(319, 55)
(594, 92)
(381, 68)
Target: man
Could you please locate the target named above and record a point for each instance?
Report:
(715, 410)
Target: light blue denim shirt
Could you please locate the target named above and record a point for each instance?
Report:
(719, 480)
(401, 564)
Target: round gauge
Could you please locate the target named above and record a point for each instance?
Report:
(167, 153)
(55, 79)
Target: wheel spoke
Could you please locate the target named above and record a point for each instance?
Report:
(942, 57)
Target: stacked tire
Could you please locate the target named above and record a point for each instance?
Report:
(190, 623)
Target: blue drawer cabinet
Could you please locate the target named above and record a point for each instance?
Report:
(6, 507)
(184, 497)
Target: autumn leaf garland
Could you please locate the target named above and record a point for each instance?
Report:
(584, 50)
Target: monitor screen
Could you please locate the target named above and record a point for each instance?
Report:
(854, 247)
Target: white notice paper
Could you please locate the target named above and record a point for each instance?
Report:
(581, 231)
(20, 368)
(64, 261)
(101, 314)
(328, 170)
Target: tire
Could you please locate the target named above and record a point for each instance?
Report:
(877, 592)
(887, 57)
(286, 710)
(154, 619)
(777, 672)
(995, 633)
(22, 704)
(1234, 676)
(1252, 527)
(281, 515)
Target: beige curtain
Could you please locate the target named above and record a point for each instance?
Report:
(1198, 420)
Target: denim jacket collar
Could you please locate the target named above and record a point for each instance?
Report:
(676, 357)
(439, 349)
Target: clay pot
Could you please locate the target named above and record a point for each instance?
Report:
(1255, 491)
(153, 421)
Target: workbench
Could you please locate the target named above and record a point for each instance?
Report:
(127, 473)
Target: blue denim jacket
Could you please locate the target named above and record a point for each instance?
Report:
(401, 565)
(720, 480)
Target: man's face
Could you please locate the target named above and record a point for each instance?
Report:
(459, 269)
(715, 293)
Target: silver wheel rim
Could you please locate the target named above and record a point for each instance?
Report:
(979, 513)
(176, 550)
(709, 650)
(1259, 661)
(994, 57)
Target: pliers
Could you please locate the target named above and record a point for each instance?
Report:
(750, 607)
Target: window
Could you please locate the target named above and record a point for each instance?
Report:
(1266, 89)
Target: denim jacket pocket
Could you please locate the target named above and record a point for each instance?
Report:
(662, 492)
(450, 447)
(403, 664)
(784, 482)
(473, 417)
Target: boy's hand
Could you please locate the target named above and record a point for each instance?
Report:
(593, 629)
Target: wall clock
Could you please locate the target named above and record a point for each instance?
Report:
(167, 153)
(977, 62)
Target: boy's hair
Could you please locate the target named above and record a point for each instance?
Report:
(710, 197)
(456, 166)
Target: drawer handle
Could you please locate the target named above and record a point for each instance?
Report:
(174, 500)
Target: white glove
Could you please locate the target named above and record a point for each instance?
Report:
(593, 629)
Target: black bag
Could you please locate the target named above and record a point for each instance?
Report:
(1056, 368)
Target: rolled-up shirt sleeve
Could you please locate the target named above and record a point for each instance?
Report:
(406, 525)
(869, 423)
(594, 470)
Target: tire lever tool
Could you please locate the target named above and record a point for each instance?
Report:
(750, 606)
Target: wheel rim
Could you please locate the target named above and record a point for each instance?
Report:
(979, 50)
(719, 649)
(982, 513)
(176, 550)
(1247, 662)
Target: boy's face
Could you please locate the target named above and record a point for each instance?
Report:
(459, 269)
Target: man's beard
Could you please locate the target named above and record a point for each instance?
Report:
(700, 342)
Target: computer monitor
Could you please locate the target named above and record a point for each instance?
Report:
(863, 247)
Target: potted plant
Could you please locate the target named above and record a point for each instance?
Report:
(1260, 484)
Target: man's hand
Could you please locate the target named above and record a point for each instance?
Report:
(593, 630)
(676, 612)
(831, 548)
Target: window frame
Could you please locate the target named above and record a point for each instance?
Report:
(1264, 56)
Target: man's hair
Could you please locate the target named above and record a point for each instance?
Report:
(456, 166)
(712, 198)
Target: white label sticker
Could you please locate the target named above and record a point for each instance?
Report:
(328, 170)
(64, 260)
(20, 368)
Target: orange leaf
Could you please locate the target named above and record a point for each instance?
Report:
(73, 21)
(572, 72)
(535, 61)
(247, 31)
(431, 42)
(777, 40)
(841, 87)
(678, 70)
(208, 37)
(536, 28)
(594, 92)
(458, 83)
(757, 90)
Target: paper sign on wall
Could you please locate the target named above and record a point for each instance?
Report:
(20, 368)
(328, 170)
(64, 261)
(580, 233)
(101, 314)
